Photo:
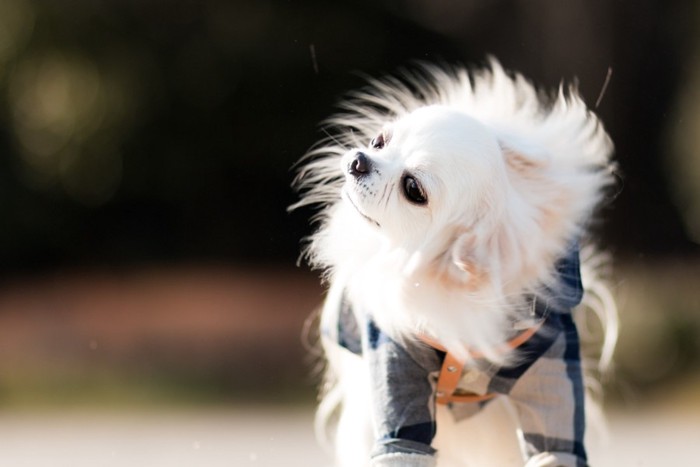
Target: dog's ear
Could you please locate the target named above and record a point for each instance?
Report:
(467, 257)
(521, 163)
(459, 260)
(522, 159)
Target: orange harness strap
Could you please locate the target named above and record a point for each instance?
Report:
(452, 369)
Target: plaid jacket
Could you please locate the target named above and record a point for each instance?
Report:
(546, 384)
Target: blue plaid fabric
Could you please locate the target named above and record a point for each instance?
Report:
(545, 385)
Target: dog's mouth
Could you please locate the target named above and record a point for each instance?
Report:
(348, 198)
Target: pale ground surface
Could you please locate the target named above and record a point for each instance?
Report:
(265, 438)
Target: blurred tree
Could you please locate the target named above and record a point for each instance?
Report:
(164, 130)
(683, 165)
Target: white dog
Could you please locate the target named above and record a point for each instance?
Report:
(454, 204)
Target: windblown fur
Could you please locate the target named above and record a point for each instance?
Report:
(496, 220)
(559, 153)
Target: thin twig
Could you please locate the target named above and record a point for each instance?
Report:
(605, 87)
(314, 62)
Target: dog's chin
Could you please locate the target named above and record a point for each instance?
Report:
(348, 198)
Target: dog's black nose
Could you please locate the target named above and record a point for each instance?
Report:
(360, 165)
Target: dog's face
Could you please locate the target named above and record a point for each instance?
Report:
(431, 174)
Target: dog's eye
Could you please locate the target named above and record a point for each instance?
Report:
(413, 191)
(378, 142)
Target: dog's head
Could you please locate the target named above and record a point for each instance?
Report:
(433, 168)
(437, 184)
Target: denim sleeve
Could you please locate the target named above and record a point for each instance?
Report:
(403, 396)
(569, 285)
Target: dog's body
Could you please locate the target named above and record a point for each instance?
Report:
(448, 226)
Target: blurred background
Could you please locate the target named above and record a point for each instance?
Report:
(151, 306)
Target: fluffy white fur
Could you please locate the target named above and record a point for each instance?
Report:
(511, 177)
